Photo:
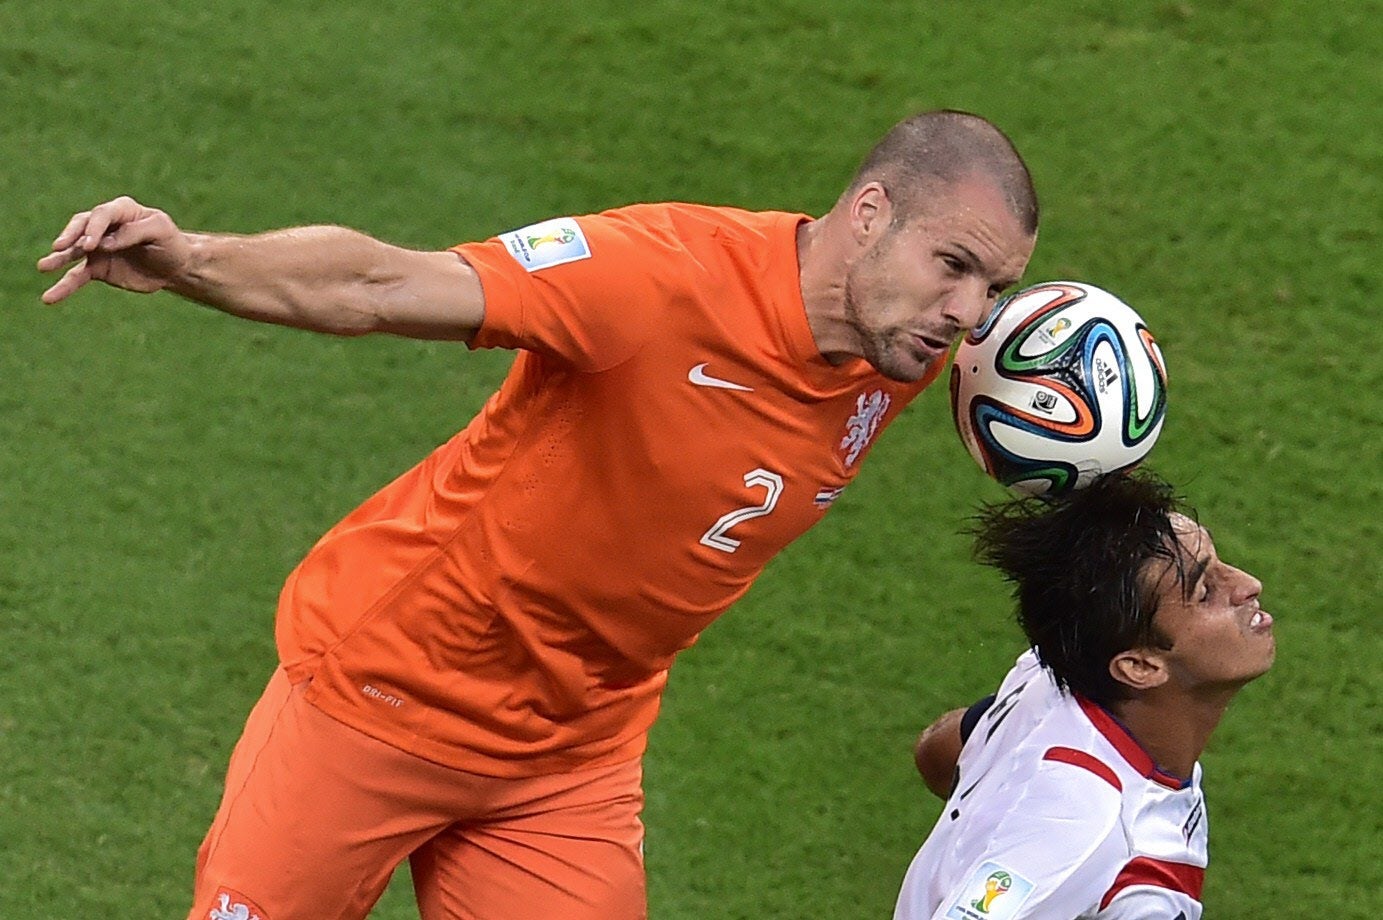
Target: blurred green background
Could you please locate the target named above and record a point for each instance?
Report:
(164, 467)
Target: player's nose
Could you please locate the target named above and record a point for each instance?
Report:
(1246, 587)
(968, 304)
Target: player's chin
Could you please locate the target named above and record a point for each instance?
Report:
(905, 365)
(1262, 662)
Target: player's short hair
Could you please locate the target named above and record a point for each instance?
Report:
(937, 148)
(1080, 566)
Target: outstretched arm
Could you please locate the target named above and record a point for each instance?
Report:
(326, 279)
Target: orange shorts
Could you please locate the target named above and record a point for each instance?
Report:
(316, 816)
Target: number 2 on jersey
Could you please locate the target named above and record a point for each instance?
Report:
(716, 537)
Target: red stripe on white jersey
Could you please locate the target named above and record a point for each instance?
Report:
(1085, 761)
(1127, 745)
(1159, 873)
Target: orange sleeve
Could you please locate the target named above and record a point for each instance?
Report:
(593, 303)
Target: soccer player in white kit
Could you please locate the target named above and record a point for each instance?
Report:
(1074, 791)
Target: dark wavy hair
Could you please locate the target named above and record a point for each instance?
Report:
(1077, 566)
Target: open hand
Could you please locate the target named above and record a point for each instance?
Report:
(120, 242)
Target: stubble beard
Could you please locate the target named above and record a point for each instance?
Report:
(878, 346)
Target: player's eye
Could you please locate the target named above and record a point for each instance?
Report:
(954, 264)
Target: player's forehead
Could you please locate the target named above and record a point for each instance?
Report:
(973, 212)
(1192, 537)
(1190, 553)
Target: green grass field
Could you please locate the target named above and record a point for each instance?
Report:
(164, 467)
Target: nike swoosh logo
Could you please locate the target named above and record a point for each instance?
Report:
(698, 376)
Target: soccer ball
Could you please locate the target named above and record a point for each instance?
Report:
(1062, 383)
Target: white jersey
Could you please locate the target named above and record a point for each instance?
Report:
(1059, 814)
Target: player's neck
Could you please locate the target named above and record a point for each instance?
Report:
(1174, 731)
(821, 268)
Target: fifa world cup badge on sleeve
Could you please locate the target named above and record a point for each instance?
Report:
(543, 245)
(991, 893)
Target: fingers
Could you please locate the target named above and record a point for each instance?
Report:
(142, 229)
(60, 257)
(121, 223)
(104, 216)
(85, 230)
(75, 277)
(72, 232)
(120, 242)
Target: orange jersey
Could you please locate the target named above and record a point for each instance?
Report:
(511, 605)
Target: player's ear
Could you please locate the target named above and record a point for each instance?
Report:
(1139, 668)
(871, 211)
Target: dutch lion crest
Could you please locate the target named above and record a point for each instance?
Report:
(231, 910)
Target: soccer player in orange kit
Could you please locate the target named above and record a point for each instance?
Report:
(471, 660)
